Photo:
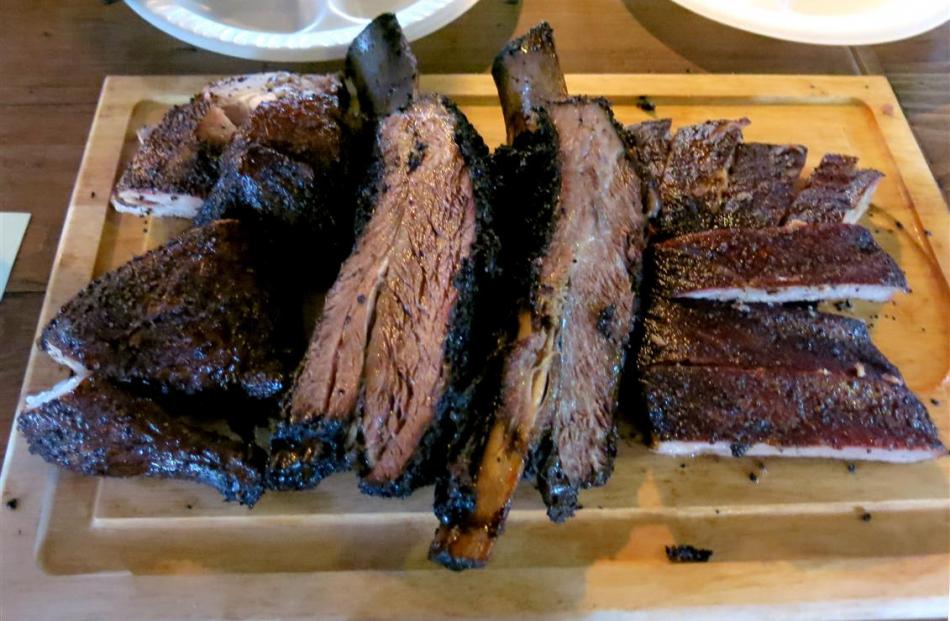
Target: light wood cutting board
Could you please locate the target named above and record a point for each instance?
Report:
(791, 544)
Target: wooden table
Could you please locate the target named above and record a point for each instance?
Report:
(54, 55)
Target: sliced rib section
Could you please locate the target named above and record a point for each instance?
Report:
(758, 336)
(802, 263)
(197, 314)
(790, 412)
(651, 140)
(386, 372)
(837, 191)
(90, 426)
(577, 228)
(696, 174)
(761, 186)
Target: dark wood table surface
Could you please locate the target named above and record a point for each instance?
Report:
(54, 55)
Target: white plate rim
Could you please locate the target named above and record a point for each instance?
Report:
(417, 20)
(846, 29)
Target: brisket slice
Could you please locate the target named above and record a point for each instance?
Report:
(175, 165)
(837, 191)
(194, 315)
(651, 140)
(700, 333)
(285, 172)
(761, 186)
(90, 426)
(580, 238)
(385, 380)
(790, 412)
(696, 174)
(795, 263)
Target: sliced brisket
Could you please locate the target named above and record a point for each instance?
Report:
(783, 411)
(795, 263)
(837, 191)
(90, 426)
(194, 315)
(176, 163)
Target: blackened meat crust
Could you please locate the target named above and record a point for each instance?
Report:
(731, 263)
(784, 408)
(194, 315)
(703, 333)
(99, 429)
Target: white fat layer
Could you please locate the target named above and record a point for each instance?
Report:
(61, 358)
(848, 453)
(862, 205)
(58, 391)
(143, 133)
(238, 96)
(872, 293)
(159, 204)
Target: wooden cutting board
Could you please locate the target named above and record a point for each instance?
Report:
(788, 542)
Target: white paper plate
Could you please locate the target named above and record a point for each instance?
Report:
(289, 30)
(827, 22)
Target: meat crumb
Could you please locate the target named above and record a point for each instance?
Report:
(13, 503)
(687, 554)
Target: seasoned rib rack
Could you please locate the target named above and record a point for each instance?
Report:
(795, 263)
(783, 411)
(701, 333)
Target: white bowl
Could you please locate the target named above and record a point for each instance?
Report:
(827, 22)
(289, 30)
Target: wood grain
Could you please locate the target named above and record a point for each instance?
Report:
(792, 544)
(54, 56)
